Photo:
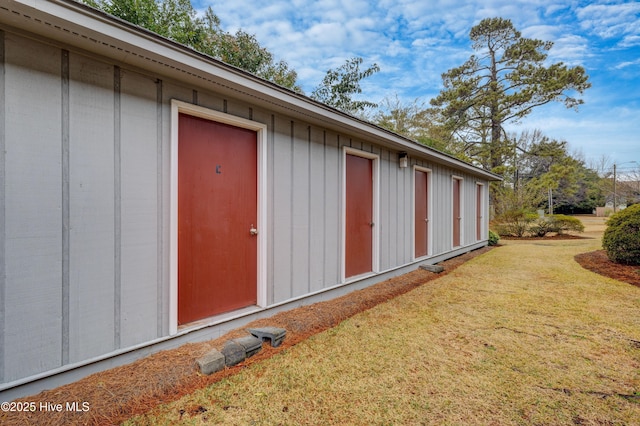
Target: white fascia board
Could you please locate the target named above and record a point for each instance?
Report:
(78, 25)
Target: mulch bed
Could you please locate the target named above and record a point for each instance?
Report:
(598, 261)
(120, 393)
(547, 237)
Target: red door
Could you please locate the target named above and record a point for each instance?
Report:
(217, 206)
(421, 214)
(478, 212)
(359, 216)
(456, 212)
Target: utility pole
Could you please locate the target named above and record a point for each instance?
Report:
(615, 197)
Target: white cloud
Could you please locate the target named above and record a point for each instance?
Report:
(611, 20)
(626, 64)
(326, 34)
(570, 49)
(415, 41)
(397, 48)
(542, 32)
(630, 41)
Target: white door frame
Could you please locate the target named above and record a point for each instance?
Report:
(178, 107)
(460, 180)
(429, 211)
(375, 251)
(481, 214)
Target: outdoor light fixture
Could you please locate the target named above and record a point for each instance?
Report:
(403, 159)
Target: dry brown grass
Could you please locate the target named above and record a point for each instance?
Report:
(117, 394)
(519, 335)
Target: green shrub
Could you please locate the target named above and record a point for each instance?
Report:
(542, 226)
(621, 239)
(493, 238)
(564, 223)
(515, 223)
(555, 223)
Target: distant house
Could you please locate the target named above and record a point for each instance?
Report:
(152, 196)
(626, 193)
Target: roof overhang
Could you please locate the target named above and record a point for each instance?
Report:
(96, 33)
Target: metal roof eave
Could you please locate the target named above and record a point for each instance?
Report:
(79, 25)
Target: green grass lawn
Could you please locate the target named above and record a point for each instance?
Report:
(520, 335)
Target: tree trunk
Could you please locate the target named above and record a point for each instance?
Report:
(496, 124)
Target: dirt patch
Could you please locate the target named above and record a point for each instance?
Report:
(120, 393)
(598, 261)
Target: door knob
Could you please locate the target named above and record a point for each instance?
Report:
(253, 231)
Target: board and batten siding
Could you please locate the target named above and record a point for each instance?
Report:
(85, 200)
(81, 188)
(32, 339)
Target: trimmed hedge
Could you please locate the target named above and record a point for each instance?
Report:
(621, 239)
